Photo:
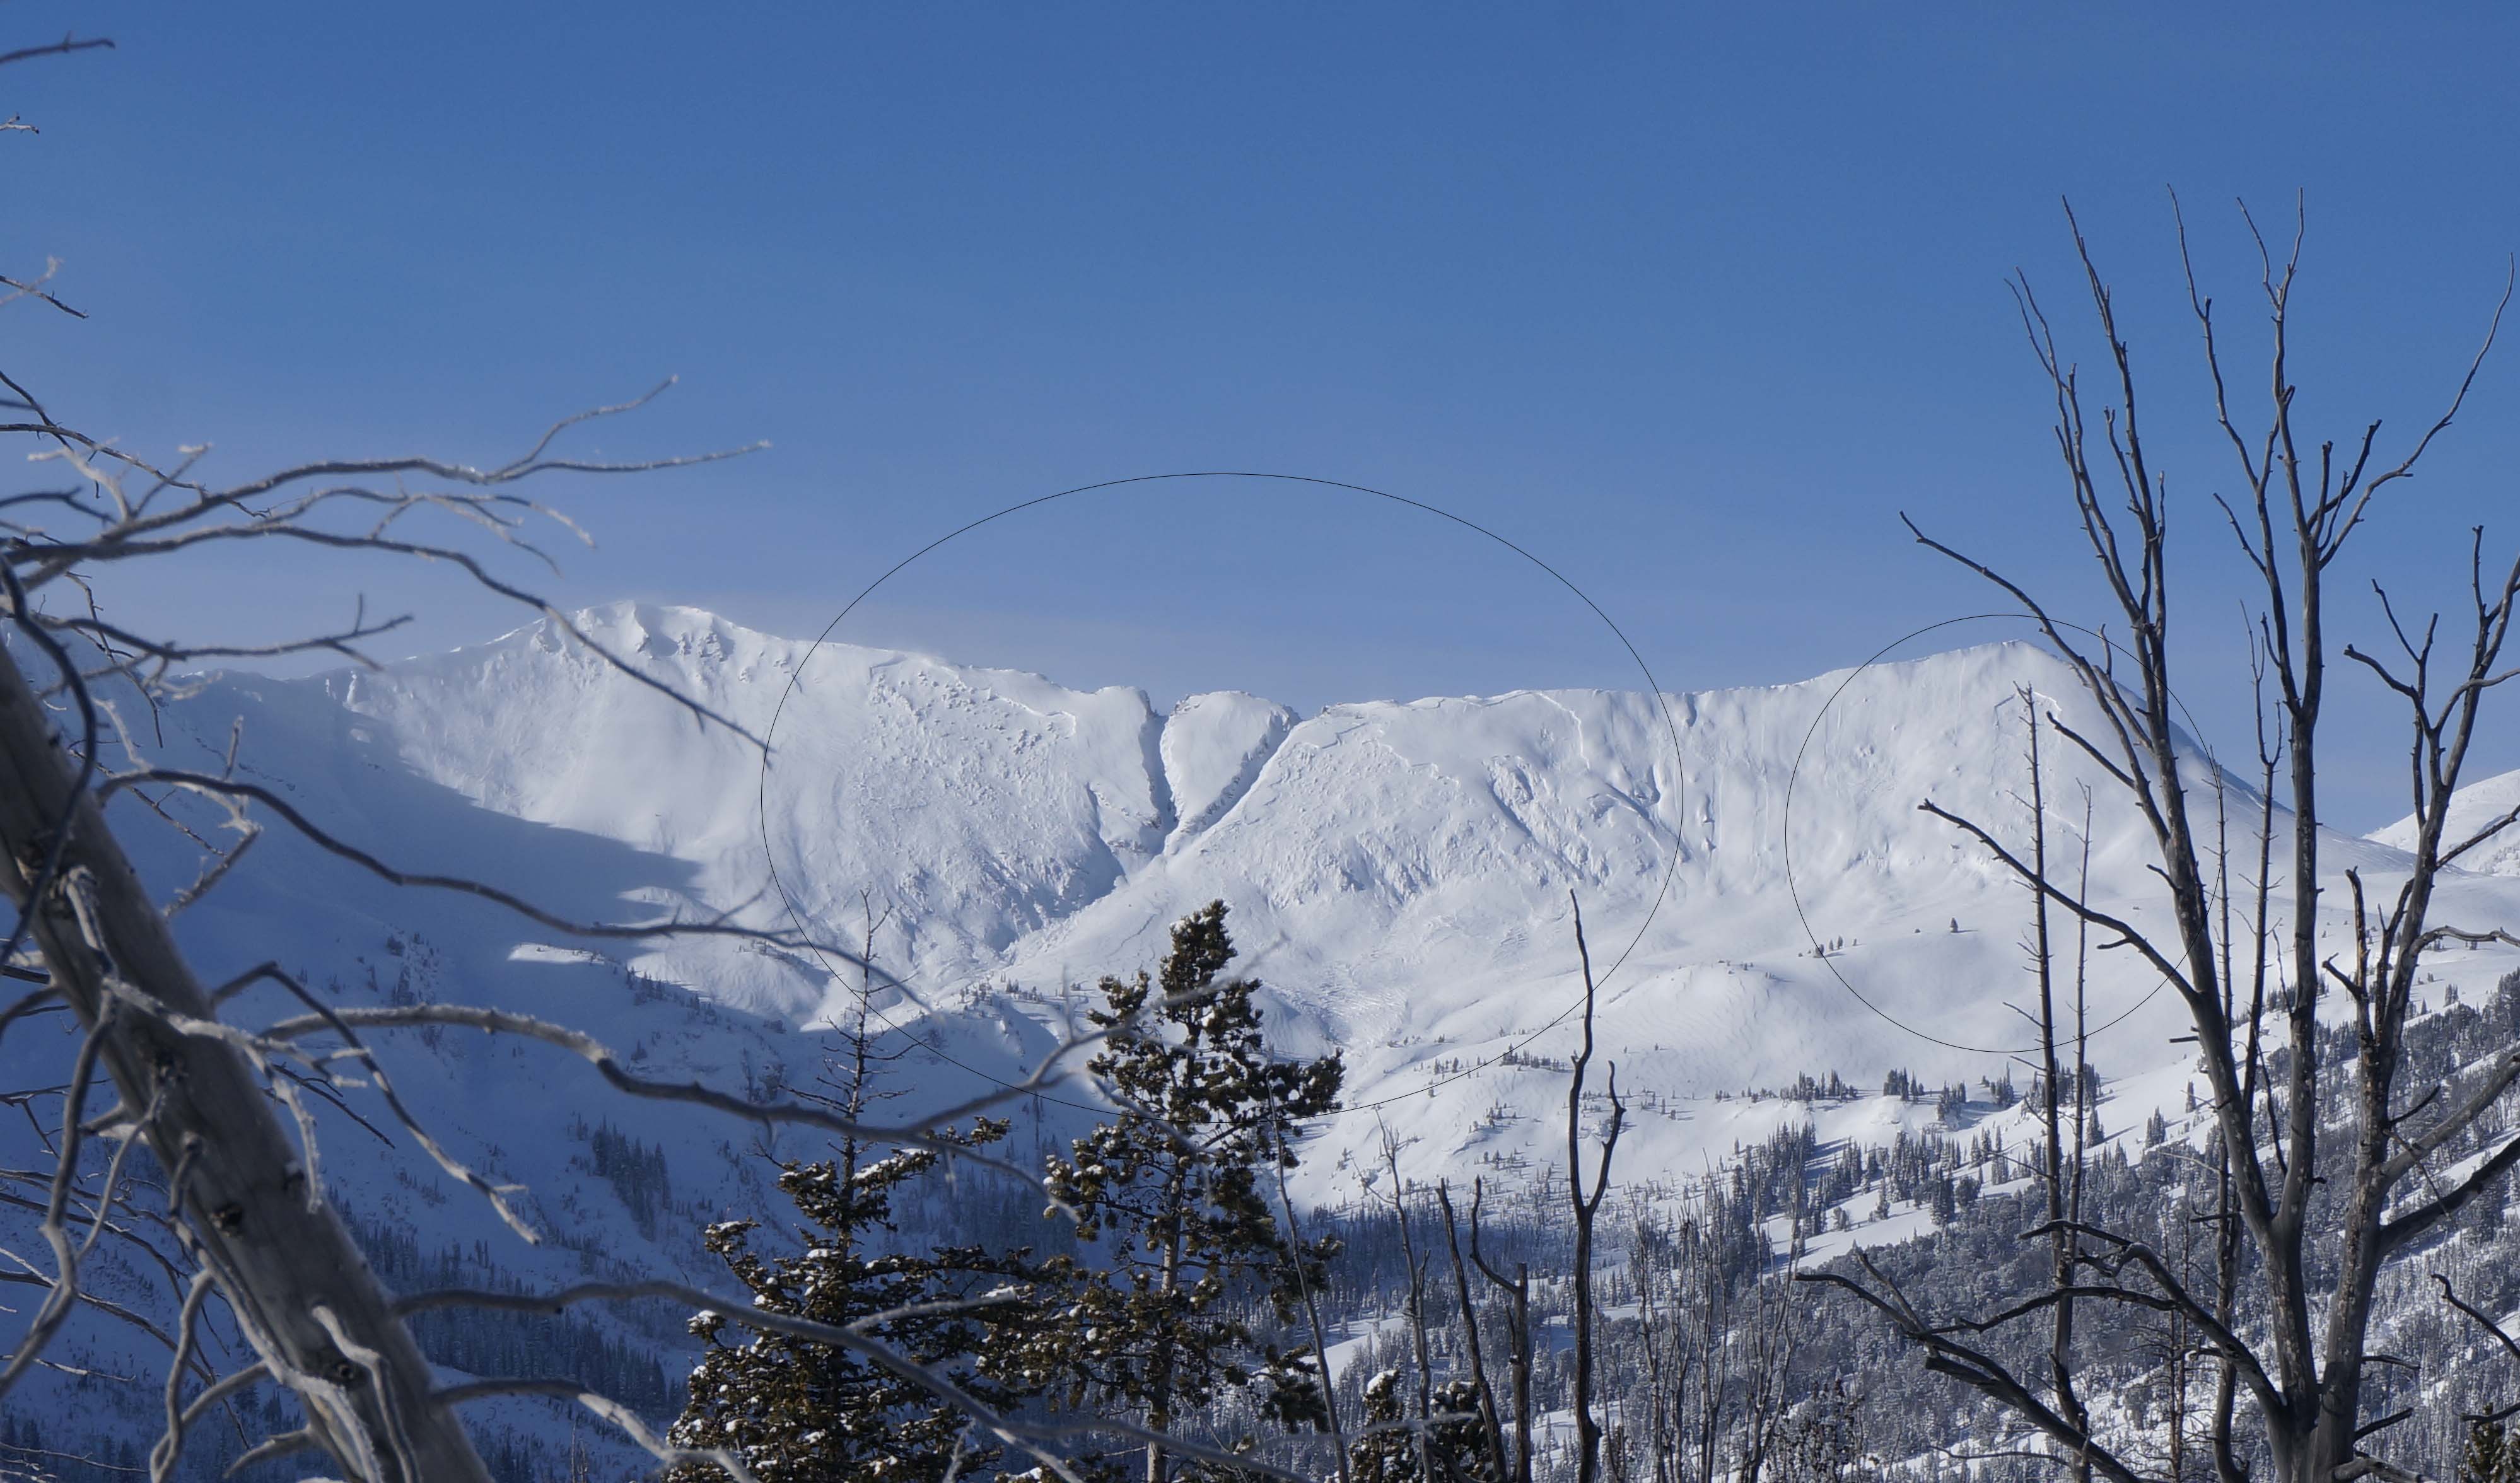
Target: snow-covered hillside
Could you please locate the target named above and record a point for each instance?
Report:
(2476, 807)
(1401, 875)
(1399, 872)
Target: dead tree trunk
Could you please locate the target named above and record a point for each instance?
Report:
(1491, 1434)
(2302, 1359)
(1517, 1334)
(1585, 1208)
(2063, 1243)
(1416, 1269)
(300, 1287)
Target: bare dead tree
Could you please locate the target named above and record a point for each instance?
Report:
(1759, 1370)
(1585, 1207)
(1415, 1267)
(2493, 1331)
(1717, 1328)
(1517, 1292)
(1491, 1431)
(1311, 1298)
(1658, 1333)
(1704, 1307)
(2301, 1357)
(2064, 1248)
(2257, 932)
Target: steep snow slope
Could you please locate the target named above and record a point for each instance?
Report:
(2478, 806)
(1402, 874)
(1213, 745)
(1396, 869)
(979, 803)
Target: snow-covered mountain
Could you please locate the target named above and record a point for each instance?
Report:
(2475, 807)
(1762, 896)
(1401, 873)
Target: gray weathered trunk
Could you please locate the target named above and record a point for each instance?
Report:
(279, 1258)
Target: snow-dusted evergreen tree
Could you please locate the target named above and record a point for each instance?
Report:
(2491, 1457)
(1178, 1184)
(1388, 1450)
(800, 1412)
(797, 1410)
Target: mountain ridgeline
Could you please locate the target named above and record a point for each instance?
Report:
(1807, 985)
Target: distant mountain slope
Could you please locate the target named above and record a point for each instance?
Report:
(2476, 806)
(1399, 872)
(1401, 875)
(1021, 831)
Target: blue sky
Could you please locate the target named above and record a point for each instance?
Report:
(1689, 300)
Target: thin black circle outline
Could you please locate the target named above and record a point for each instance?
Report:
(1786, 829)
(795, 678)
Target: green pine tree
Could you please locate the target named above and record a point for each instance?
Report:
(1385, 1449)
(2487, 1459)
(1179, 1185)
(798, 1412)
(1388, 1449)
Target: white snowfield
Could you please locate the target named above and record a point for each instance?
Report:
(1400, 874)
(2476, 808)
